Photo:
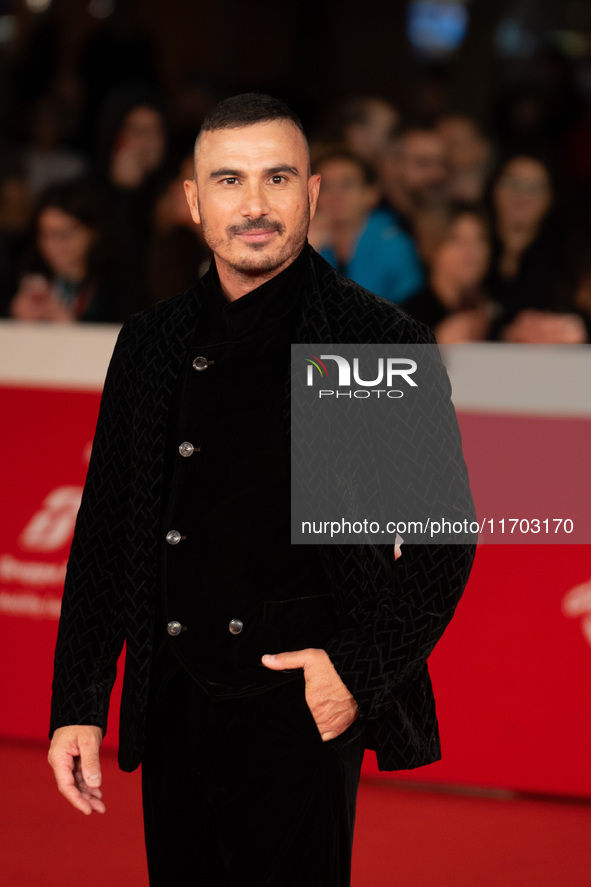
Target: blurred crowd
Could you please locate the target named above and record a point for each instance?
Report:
(482, 236)
(97, 236)
(477, 238)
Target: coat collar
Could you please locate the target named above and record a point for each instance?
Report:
(312, 324)
(176, 329)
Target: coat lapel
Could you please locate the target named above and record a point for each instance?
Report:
(312, 325)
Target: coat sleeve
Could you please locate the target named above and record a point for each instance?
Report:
(390, 636)
(91, 631)
(394, 612)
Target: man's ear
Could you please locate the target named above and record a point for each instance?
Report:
(313, 190)
(191, 195)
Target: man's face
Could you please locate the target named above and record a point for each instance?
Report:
(345, 197)
(142, 134)
(253, 197)
(369, 139)
(523, 193)
(424, 165)
(64, 242)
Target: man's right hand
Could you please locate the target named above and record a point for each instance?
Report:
(74, 758)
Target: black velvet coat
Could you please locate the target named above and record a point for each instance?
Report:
(391, 614)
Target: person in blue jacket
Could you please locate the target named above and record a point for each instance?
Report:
(362, 241)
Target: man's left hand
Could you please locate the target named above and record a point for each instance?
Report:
(332, 706)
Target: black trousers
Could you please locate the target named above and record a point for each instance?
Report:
(245, 792)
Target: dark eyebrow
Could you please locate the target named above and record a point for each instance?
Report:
(235, 173)
(217, 173)
(278, 169)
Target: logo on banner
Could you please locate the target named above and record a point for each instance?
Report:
(577, 603)
(30, 586)
(52, 526)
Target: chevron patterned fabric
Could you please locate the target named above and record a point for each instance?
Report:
(391, 615)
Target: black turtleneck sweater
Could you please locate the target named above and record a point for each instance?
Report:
(233, 580)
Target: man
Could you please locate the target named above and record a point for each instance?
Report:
(414, 172)
(363, 242)
(250, 761)
(469, 156)
(363, 123)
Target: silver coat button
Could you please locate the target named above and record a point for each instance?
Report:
(201, 363)
(235, 626)
(173, 537)
(186, 449)
(174, 628)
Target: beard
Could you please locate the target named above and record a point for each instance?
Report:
(258, 258)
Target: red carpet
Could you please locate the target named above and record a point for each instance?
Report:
(404, 838)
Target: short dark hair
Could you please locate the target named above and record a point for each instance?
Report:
(351, 111)
(247, 109)
(409, 127)
(458, 208)
(80, 198)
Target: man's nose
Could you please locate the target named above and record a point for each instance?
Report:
(254, 202)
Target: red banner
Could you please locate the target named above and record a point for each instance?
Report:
(46, 441)
(511, 674)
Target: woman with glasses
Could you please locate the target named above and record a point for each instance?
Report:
(533, 274)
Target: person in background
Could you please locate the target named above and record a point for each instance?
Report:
(364, 124)
(583, 292)
(469, 156)
(454, 303)
(534, 273)
(47, 159)
(178, 254)
(131, 169)
(363, 242)
(138, 147)
(15, 216)
(65, 270)
(414, 172)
